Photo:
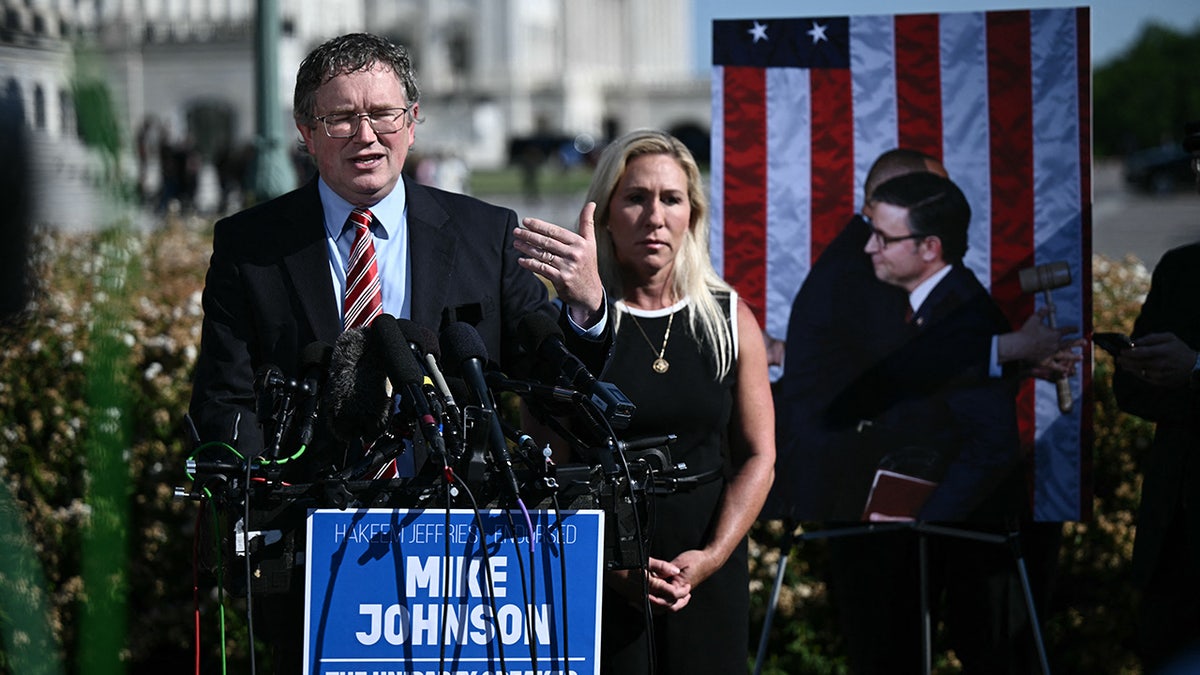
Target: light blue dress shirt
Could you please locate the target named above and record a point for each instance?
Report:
(390, 233)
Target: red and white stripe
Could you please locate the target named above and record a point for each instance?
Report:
(1004, 99)
(364, 298)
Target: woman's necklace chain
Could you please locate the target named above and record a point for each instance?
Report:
(660, 364)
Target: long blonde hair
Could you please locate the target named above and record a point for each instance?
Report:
(694, 276)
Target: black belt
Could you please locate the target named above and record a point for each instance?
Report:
(669, 484)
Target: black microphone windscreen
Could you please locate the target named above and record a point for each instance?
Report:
(421, 336)
(460, 341)
(535, 328)
(355, 399)
(315, 355)
(400, 364)
(458, 388)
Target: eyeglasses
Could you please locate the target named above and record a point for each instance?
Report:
(345, 125)
(882, 240)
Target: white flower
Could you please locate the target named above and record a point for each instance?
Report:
(152, 371)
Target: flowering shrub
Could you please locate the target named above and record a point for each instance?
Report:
(132, 301)
(122, 310)
(1090, 621)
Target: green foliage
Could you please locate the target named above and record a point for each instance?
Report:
(66, 352)
(1144, 97)
(47, 380)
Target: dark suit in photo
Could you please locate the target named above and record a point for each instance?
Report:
(838, 327)
(929, 406)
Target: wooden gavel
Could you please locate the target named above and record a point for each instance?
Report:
(1043, 278)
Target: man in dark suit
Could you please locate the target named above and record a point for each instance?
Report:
(841, 324)
(929, 393)
(278, 274)
(276, 279)
(930, 408)
(1158, 379)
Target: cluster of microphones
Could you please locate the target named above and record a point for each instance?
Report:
(396, 387)
(396, 391)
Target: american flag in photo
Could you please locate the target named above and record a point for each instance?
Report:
(803, 106)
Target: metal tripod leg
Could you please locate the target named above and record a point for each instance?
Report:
(766, 631)
(785, 551)
(1014, 541)
(1034, 624)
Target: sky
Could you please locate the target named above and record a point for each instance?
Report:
(1116, 24)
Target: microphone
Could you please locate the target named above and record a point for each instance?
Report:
(463, 347)
(267, 379)
(458, 387)
(403, 371)
(429, 342)
(542, 336)
(314, 364)
(497, 380)
(356, 395)
(425, 346)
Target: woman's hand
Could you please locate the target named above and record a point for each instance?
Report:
(696, 565)
(667, 588)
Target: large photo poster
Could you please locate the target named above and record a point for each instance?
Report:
(802, 108)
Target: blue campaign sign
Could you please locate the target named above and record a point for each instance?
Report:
(420, 591)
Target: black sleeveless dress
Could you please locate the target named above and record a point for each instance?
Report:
(711, 634)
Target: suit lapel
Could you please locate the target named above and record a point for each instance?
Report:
(944, 299)
(431, 254)
(303, 228)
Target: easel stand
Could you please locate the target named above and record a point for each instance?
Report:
(923, 530)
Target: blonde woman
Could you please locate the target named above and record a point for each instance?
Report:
(691, 356)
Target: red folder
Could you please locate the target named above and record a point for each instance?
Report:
(896, 495)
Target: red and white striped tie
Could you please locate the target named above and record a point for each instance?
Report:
(364, 300)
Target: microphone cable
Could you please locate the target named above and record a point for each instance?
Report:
(562, 570)
(647, 610)
(249, 467)
(249, 572)
(528, 588)
(199, 528)
(221, 597)
(487, 560)
(446, 564)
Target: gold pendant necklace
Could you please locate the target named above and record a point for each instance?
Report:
(660, 364)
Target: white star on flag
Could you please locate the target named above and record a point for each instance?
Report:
(759, 31)
(817, 32)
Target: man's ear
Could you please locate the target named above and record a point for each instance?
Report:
(931, 248)
(305, 133)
